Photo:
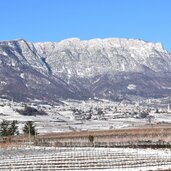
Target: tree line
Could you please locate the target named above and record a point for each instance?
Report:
(10, 128)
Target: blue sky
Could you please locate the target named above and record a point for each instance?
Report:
(54, 20)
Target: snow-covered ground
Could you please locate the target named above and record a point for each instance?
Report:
(90, 159)
(77, 115)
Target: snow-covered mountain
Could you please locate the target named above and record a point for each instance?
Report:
(105, 68)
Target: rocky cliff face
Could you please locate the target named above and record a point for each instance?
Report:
(104, 68)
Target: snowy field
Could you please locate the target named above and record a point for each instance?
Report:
(90, 159)
(62, 118)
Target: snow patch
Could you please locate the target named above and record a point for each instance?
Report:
(22, 75)
(131, 87)
(3, 83)
(123, 67)
(4, 53)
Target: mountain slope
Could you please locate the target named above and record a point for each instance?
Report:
(105, 68)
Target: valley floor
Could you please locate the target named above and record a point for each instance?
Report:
(89, 115)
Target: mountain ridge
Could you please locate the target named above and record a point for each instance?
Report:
(106, 68)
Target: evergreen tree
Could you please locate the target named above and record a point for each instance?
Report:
(4, 128)
(8, 128)
(29, 128)
(13, 129)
